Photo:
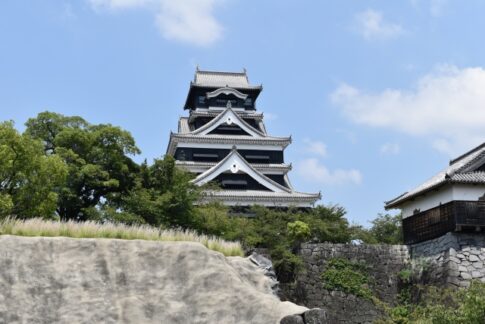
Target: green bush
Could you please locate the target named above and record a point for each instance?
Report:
(442, 306)
(349, 277)
(298, 231)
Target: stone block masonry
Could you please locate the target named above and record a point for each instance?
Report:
(384, 262)
(453, 259)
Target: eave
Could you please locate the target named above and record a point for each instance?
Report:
(175, 139)
(456, 179)
(244, 114)
(254, 197)
(263, 168)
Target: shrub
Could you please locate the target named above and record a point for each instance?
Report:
(349, 277)
(442, 306)
(298, 231)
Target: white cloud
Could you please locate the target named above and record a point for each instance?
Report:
(315, 147)
(390, 148)
(372, 25)
(188, 21)
(312, 170)
(447, 107)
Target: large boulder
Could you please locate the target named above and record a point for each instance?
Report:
(65, 280)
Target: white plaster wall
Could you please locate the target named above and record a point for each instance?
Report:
(444, 195)
(468, 191)
(428, 201)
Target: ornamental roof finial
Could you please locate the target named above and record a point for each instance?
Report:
(229, 104)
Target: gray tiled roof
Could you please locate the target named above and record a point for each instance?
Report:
(221, 79)
(460, 170)
(212, 113)
(225, 139)
(258, 166)
(254, 197)
(263, 194)
(472, 177)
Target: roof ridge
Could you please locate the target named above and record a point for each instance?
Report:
(473, 150)
(470, 164)
(222, 72)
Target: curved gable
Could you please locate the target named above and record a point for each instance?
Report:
(226, 91)
(235, 163)
(228, 117)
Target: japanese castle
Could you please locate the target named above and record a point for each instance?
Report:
(224, 141)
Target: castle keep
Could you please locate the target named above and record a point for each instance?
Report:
(224, 140)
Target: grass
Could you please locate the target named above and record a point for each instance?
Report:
(89, 229)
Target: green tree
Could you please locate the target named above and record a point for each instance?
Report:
(28, 178)
(164, 195)
(99, 168)
(328, 224)
(387, 229)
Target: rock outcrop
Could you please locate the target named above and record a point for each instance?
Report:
(65, 280)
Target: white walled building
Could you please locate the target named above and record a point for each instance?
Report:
(452, 200)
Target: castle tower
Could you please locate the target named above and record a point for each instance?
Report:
(224, 140)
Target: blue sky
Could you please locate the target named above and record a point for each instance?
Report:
(378, 95)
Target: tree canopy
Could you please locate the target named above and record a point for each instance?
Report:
(97, 157)
(29, 180)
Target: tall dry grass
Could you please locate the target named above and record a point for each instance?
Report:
(90, 229)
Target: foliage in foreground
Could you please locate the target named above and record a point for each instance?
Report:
(442, 306)
(90, 229)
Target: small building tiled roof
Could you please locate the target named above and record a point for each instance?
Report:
(467, 168)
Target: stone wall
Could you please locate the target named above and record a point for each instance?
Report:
(384, 261)
(453, 259)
